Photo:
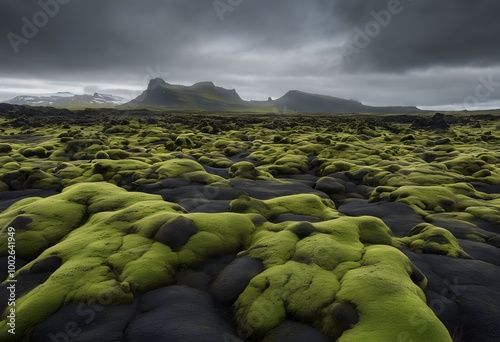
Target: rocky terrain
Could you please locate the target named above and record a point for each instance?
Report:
(146, 226)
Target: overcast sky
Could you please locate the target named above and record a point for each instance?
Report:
(440, 54)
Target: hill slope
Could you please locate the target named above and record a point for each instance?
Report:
(200, 96)
(300, 101)
(206, 96)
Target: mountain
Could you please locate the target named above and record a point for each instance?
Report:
(205, 96)
(199, 96)
(65, 99)
(304, 102)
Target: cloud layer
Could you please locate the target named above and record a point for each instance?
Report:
(426, 53)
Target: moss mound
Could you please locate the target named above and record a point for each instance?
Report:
(187, 169)
(342, 275)
(438, 199)
(247, 170)
(426, 238)
(104, 236)
(120, 244)
(327, 277)
(302, 204)
(398, 300)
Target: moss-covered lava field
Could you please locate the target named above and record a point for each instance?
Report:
(143, 226)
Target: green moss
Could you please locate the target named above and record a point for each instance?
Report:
(10, 166)
(288, 164)
(50, 220)
(398, 300)
(218, 234)
(325, 251)
(69, 172)
(344, 267)
(61, 155)
(34, 152)
(155, 268)
(325, 274)
(247, 170)
(114, 166)
(185, 140)
(426, 238)
(114, 154)
(188, 169)
(215, 161)
(302, 204)
(42, 302)
(373, 230)
(42, 180)
(273, 248)
(491, 214)
(204, 177)
(309, 274)
(5, 148)
(348, 230)
(311, 149)
(101, 254)
(102, 155)
(291, 289)
(475, 237)
(446, 198)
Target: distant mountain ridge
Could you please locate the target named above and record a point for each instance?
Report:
(206, 96)
(63, 99)
(199, 96)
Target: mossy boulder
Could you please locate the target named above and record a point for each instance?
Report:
(302, 204)
(215, 161)
(5, 148)
(398, 300)
(247, 170)
(102, 155)
(39, 152)
(427, 238)
(217, 235)
(187, 169)
(321, 279)
(289, 164)
(107, 247)
(446, 198)
(293, 289)
(185, 140)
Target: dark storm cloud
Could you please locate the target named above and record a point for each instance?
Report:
(261, 48)
(95, 34)
(423, 33)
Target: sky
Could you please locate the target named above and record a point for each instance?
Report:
(432, 54)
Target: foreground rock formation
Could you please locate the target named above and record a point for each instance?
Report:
(252, 228)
